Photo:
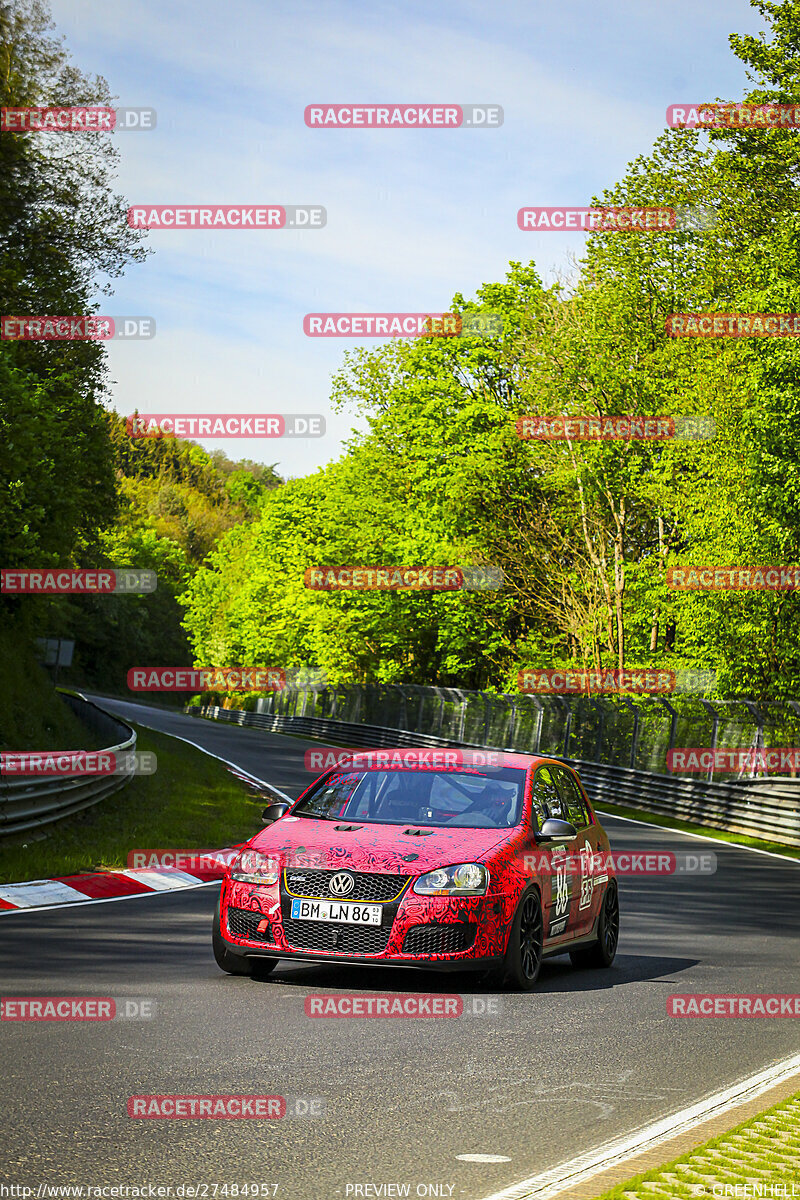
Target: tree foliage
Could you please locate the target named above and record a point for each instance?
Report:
(585, 531)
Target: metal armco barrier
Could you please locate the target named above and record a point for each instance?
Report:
(28, 803)
(766, 808)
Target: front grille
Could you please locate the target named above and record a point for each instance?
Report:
(338, 939)
(439, 939)
(379, 889)
(243, 923)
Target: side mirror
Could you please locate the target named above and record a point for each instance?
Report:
(554, 830)
(274, 812)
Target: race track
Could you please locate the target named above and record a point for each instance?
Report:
(586, 1057)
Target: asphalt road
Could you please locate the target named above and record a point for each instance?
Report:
(586, 1057)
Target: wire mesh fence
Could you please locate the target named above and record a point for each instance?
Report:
(635, 732)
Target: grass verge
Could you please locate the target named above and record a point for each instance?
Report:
(191, 803)
(764, 1150)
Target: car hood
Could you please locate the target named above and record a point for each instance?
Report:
(303, 841)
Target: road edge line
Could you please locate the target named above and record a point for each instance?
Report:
(210, 753)
(701, 837)
(579, 1170)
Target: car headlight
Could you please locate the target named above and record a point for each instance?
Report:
(254, 867)
(466, 879)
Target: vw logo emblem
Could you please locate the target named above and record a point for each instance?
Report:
(341, 884)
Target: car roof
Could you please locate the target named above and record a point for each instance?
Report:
(510, 758)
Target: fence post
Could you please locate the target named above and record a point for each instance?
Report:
(598, 749)
(673, 728)
(714, 731)
(403, 710)
(421, 707)
(635, 737)
(539, 722)
(512, 721)
(463, 716)
(752, 708)
(567, 727)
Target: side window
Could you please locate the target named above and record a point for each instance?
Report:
(364, 797)
(538, 802)
(574, 800)
(546, 799)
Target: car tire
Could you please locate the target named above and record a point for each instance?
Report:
(523, 959)
(601, 953)
(232, 964)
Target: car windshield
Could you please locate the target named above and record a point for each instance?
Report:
(465, 799)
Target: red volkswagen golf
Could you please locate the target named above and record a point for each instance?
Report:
(443, 868)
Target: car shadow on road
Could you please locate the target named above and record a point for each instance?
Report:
(557, 975)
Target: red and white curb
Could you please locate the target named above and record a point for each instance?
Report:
(95, 886)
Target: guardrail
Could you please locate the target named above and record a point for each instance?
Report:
(762, 808)
(30, 802)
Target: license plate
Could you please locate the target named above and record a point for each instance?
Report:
(335, 910)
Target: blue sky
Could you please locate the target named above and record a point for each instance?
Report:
(413, 215)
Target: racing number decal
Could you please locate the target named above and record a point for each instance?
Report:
(561, 883)
(587, 875)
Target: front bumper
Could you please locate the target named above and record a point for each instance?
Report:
(429, 931)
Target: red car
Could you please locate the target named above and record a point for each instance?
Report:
(445, 869)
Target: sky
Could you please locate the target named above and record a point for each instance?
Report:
(413, 215)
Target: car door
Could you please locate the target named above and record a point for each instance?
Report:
(584, 902)
(558, 881)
